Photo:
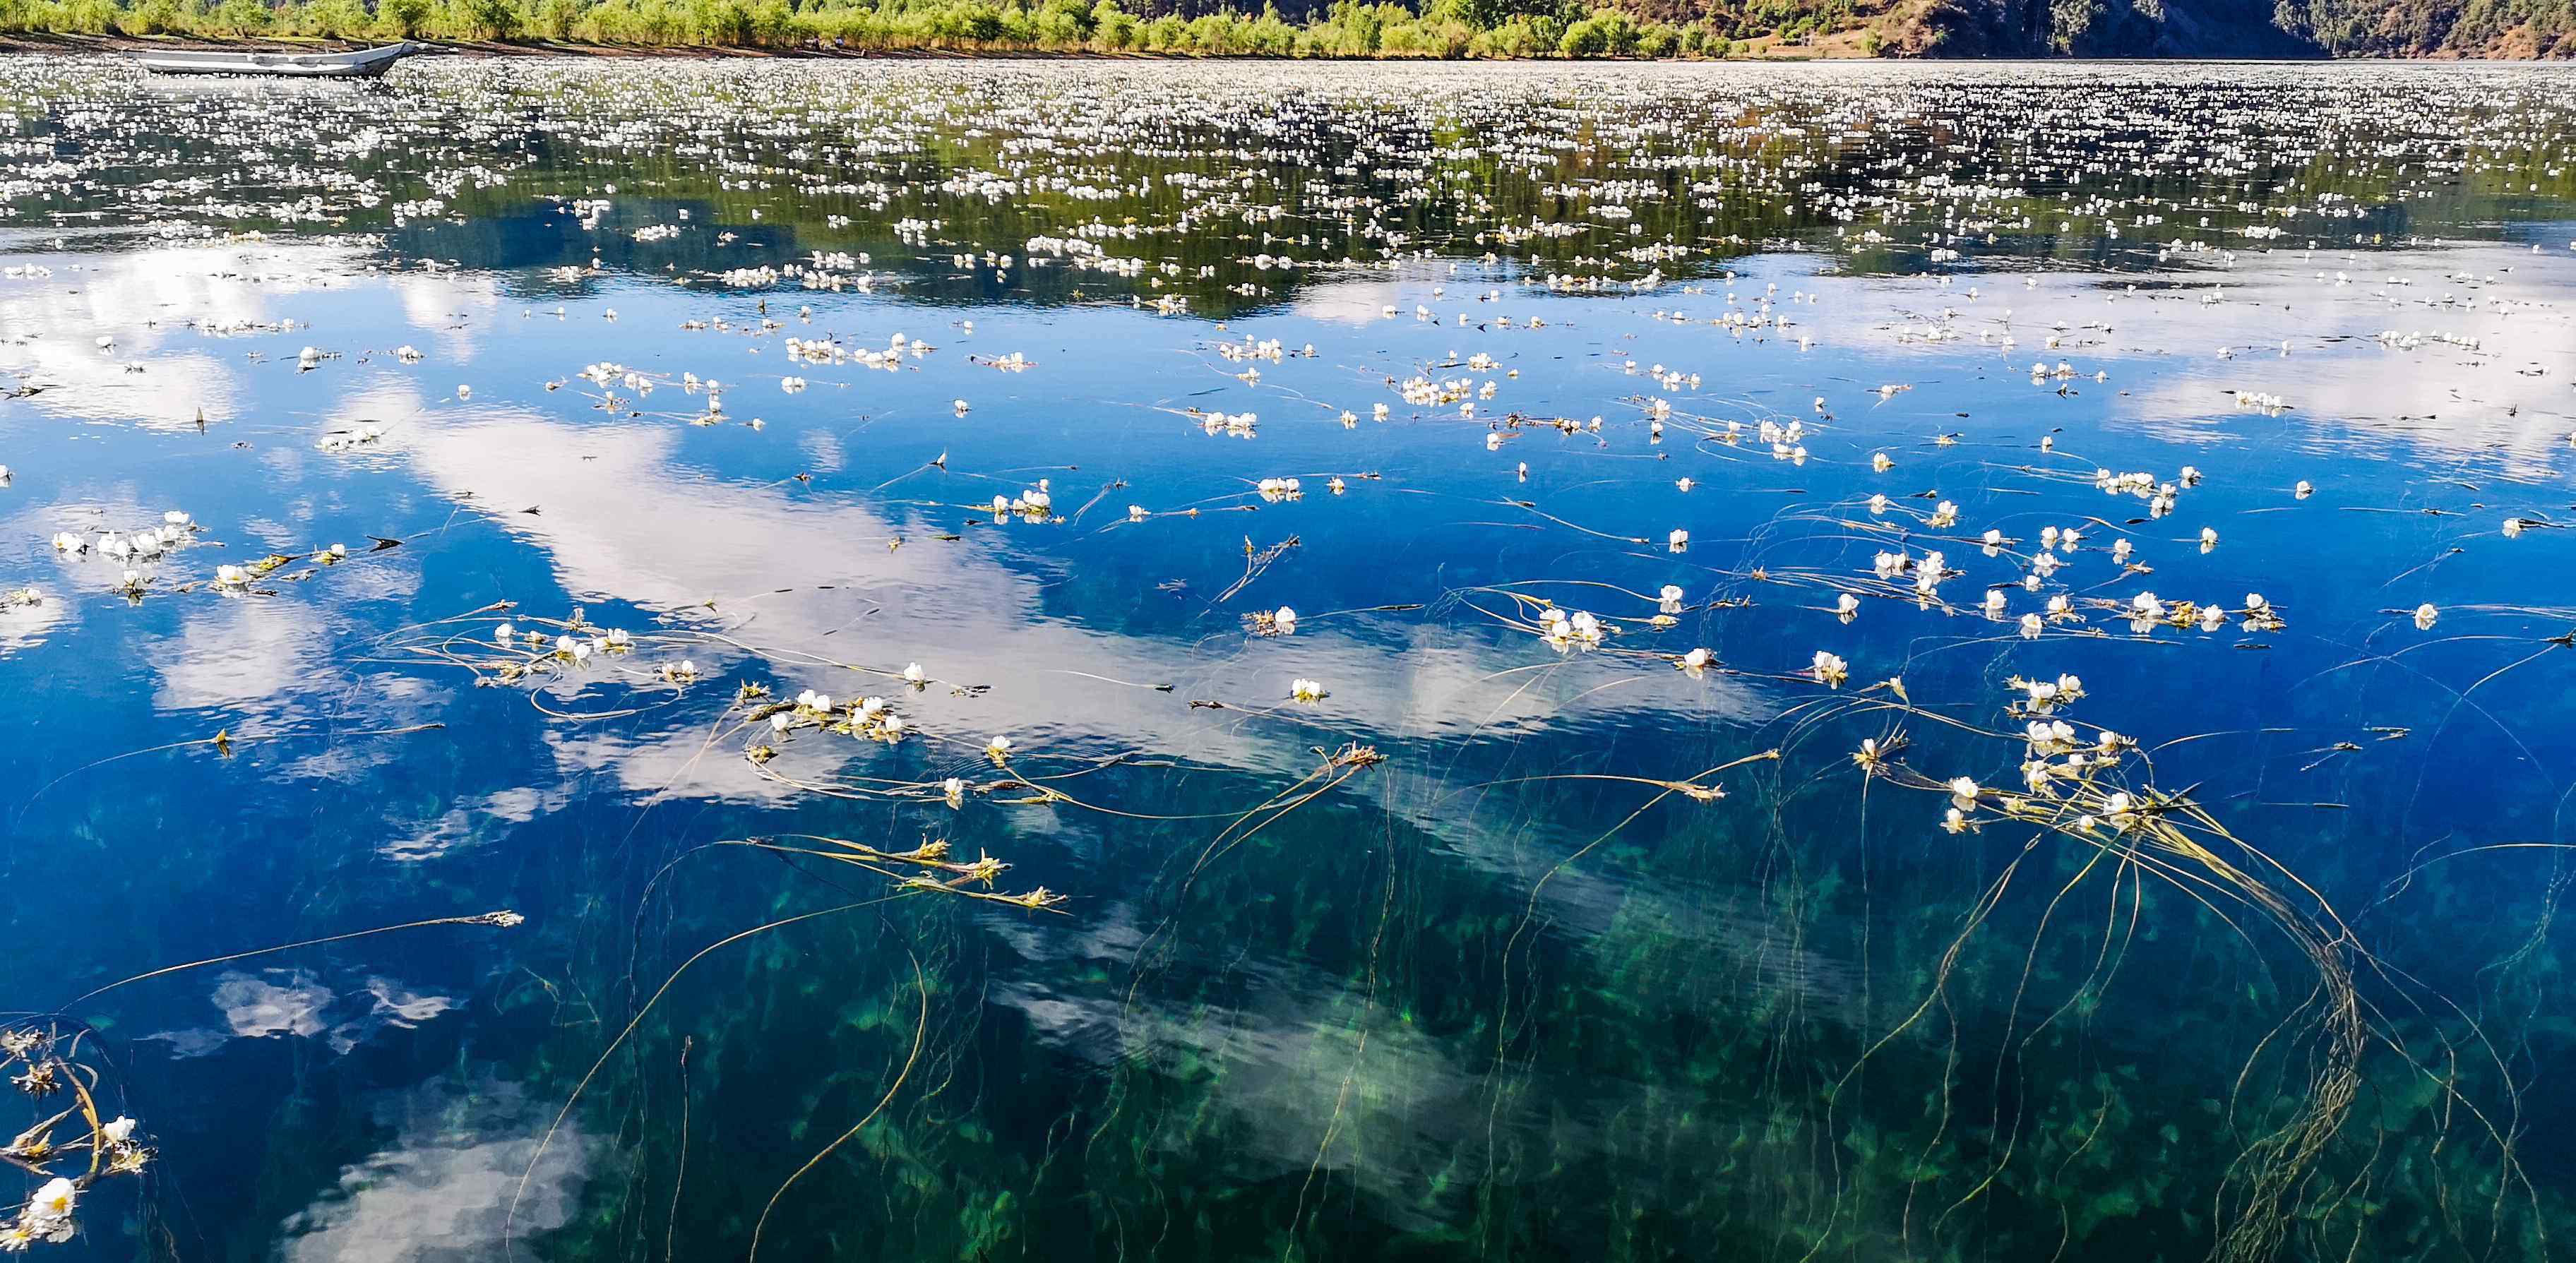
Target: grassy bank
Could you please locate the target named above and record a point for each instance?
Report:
(1440, 29)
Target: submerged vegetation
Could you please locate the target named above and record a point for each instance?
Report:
(1142, 662)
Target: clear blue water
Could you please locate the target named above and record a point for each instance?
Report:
(1503, 947)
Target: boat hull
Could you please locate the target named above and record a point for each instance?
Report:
(362, 64)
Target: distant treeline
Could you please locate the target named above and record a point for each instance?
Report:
(1384, 28)
(1348, 28)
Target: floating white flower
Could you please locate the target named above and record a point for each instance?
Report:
(1698, 659)
(1305, 690)
(999, 747)
(52, 1204)
(2424, 616)
(1284, 618)
(1679, 539)
(1829, 670)
(913, 674)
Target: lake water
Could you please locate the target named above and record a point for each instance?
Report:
(1517, 929)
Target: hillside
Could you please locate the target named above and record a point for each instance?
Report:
(2231, 28)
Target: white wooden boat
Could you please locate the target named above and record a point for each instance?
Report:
(364, 63)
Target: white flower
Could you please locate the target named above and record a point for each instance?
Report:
(1284, 618)
(954, 790)
(2030, 625)
(2254, 601)
(1847, 605)
(2304, 489)
(913, 674)
(1680, 539)
(2424, 616)
(1881, 463)
(231, 576)
(1697, 659)
(503, 634)
(2208, 537)
(69, 542)
(464, 392)
(1305, 690)
(2512, 525)
(1995, 602)
(1964, 787)
(1671, 595)
(1829, 670)
(780, 721)
(119, 1131)
(999, 747)
(53, 1203)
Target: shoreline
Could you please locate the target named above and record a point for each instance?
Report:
(22, 42)
(1838, 48)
